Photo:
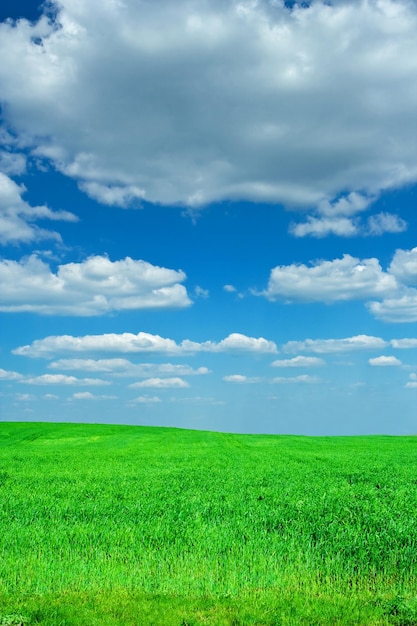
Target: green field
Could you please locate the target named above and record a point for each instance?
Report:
(126, 525)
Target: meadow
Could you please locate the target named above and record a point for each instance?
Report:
(104, 525)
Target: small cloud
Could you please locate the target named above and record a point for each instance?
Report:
(412, 383)
(385, 223)
(199, 292)
(304, 378)
(161, 383)
(24, 397)
(6, 375)
(146, 400)
(87, 395)
(229, 288)
(240, 378)
(299, 361)
(62, 379)
(384, 361)
(403, 343)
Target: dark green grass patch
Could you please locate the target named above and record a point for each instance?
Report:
(133, 525)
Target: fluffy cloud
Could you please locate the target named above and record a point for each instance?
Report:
(142, 342)
(191, 102)
(396, 310)
(146, 400)
(334, 346)
(299, 361)
(93, 287)
(7, 375)
(404, 343)
(350, 278)
(161, 383)
(340, 218)
(384, 361)
(87, 395)
(347, 278)
(303, 378)
(17, 217)
(124, 367)
(62, 379)
(404, 266)
(240, 378)
(412, 383)
(385, 223)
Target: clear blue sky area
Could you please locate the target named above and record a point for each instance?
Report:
(206, 219)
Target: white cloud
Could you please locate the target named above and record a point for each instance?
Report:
(17, 217)
(322, 227)
(146, 400)
(161, 383)
(240, 378)
(299, 361)
(377, 224)
(142, 342)
(412, 383)
(384, 361)
(303, 378)
(24, 397)
(332, 346)
(61, 379)
(404, 343)
(348, 278)
(93, 287)
(124, 367)
(396, 310)
(7, 375)
(112, 194)
(191, 102)
(199, 292)
(404, 266)
(87, 395)
(385, 223)
(229, 288)
(12, 163)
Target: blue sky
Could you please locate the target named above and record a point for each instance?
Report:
(208, 215)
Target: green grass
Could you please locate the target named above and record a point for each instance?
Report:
(119, 525)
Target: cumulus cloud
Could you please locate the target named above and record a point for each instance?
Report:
(7, 375)
(299, 361)
(334, 346)
(384, 361)
(303, 378)
(62, 379)
(94, 287)
(404, 266)
(396, 310)
(161, 383)
(348, 278)
(240, 378)
(17, 217)
(404, 343)
(192, 102)
(142, 342)
(322, 227)
(87, 395)
(340, 218)
(412, 383)
(146, 400)
(381, 223)
(124, 367)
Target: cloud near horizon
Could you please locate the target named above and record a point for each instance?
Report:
(191, 103)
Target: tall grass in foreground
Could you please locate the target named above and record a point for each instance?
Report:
(133, 525)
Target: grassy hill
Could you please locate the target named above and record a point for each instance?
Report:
(126, 525)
